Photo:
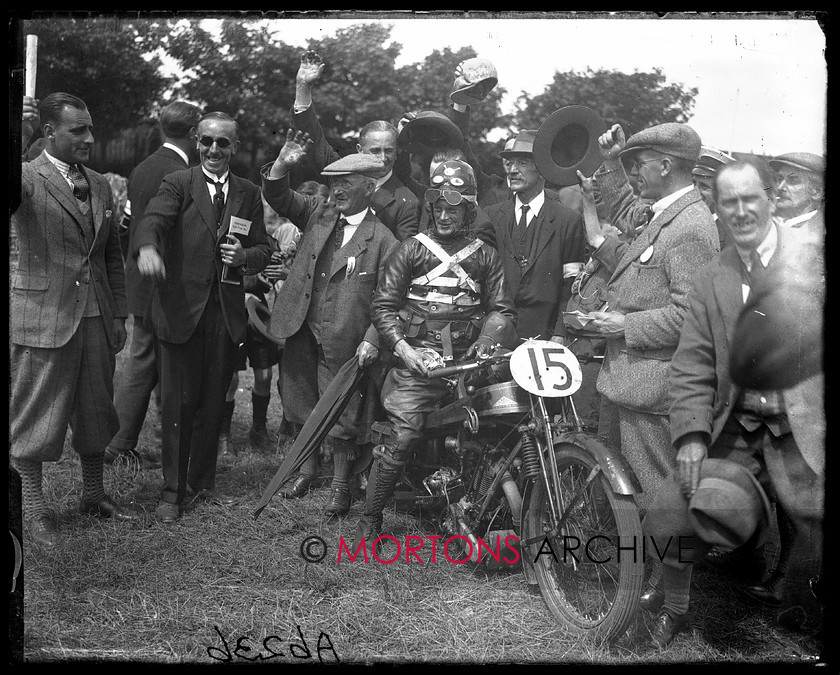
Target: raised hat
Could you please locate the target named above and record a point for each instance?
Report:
(671, 138)
(474, 79)
(521, 144)
(258, 316)
(430, 130)
(801, 160)
(567, 142)
(367, 165)
(729, 504)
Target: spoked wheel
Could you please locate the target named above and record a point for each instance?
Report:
(588, 584)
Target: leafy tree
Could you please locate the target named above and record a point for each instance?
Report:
(635, 101)
(107, 62)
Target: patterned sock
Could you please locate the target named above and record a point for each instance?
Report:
(342, 464)
(93, 489)
(655, 580)
(677, 584)
(31, 477)
(310, 466)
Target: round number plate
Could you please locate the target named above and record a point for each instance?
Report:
(546, 369)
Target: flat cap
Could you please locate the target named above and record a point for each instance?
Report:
(671, 138)
(367, 165)
(801, 160)
(521, 144)
(710, 160)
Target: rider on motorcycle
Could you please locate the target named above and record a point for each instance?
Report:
(441, 297)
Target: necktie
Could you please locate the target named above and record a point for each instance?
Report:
(218, 198)
(757, 269)
(81, 189)
(523, 219)
(339, 233)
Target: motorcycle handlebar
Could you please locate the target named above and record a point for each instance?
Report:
(451, 371)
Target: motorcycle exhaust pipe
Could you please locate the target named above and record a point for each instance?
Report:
(513, 496)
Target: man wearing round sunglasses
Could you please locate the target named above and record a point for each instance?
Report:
(323, 308)
(799, 186)
(442, 296)
(199, 236)
(541, 243)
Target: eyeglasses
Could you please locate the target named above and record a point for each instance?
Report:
(207, 141)
(452, 197)
(636, 165)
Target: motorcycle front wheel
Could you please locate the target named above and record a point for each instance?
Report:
(590, 586)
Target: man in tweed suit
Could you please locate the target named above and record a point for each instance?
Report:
(139, 378)
(67, 312)
(323, 308)
(200, 235)
(647, 292)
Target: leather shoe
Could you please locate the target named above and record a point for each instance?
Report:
(107, 508)
(765, 594)
(167, 512)
(666, 627)
(297, 488)
(214, 497)
(43, 531)
(651, 600)
(339, 503)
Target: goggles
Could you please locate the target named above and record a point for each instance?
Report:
(207, 141)
(452, 197)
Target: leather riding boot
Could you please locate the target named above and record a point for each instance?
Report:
(381, 484)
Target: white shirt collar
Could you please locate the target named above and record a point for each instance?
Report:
(381, 181)
(659, 206)
(180, 152)
(765, 249)
(63, 167)
(534, 207)
(215, 178)
(798, 220)
(356, 218)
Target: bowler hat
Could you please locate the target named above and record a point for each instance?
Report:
(800, 160)
(729, 504)
(671, 138)
(367, 165)
(258, 316)
(567, 142)
(430, 130)
(474, 79)
(521, 144)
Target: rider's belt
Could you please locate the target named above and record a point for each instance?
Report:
(449, 296)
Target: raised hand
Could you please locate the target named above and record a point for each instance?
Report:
(296, 146)
(612, 142)
(310, 68)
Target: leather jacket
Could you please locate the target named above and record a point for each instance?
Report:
(424, 322)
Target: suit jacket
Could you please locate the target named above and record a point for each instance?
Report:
(143, 184)
(538, 289)
(395, 205)
(60, 262)
(702, 391)
(179, 222)
(349, 292)
(652, 293)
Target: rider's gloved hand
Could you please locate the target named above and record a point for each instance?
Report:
(482, 348)
(583, 349)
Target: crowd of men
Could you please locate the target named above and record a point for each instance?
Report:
(410, 256)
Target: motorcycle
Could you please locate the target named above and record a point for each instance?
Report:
(497, 464)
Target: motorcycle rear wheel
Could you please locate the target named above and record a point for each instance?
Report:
(585, 591)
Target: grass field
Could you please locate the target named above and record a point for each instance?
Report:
(195, 591)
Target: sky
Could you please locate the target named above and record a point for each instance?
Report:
(762, 80)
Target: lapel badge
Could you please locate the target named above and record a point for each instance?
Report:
(646, 254)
